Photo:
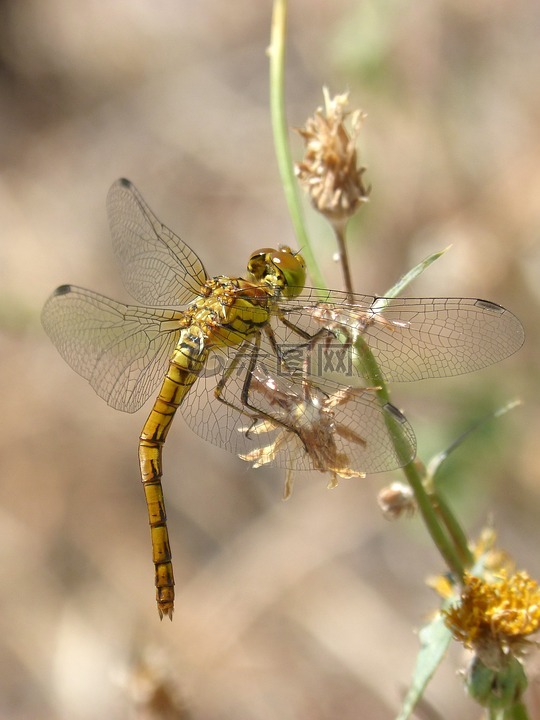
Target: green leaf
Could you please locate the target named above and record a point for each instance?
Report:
(434, 641)
(414, 273)
(436, 461)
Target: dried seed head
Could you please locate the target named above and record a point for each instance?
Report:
(396, 501)
(329, 171)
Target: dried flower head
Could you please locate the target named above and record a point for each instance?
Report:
(397, 500)
(306, 418)
(329, 171)
(494, 618)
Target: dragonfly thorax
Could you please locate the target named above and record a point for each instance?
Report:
(229, 310)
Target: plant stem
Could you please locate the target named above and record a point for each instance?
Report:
(517, 712)
(370, 370)
(439, 537)
(339, 231)
(454, 529)
(276, 52)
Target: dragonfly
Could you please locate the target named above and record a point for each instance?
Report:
(262, 366)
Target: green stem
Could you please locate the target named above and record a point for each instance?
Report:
(439, 537)
(368, 367)
(516, 712)
(281, 138)
(454, 529)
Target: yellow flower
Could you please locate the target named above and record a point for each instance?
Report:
(329, 171)
(493, 562)
(494, 618)
(490, 557)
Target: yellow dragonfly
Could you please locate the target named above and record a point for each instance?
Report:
(277, 377)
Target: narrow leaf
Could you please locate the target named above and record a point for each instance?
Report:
(434, 641)
(437, 460)
(414, 273)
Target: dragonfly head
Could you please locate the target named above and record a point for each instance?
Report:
(282, 269)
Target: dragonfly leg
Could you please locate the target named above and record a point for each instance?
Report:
(246, 407)
(285, 353)
(324, 332)
(220, 387)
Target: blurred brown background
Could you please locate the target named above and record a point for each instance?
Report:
(302, 610)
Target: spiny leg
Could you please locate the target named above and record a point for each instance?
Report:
(254, 412)
(287, 357)
(247, 408)
(324, 332)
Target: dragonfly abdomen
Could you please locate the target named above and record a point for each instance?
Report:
(185, 366)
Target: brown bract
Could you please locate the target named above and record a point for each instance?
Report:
(308, 419)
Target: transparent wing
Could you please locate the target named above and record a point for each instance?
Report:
(311, 429)
(122, 350)
(410, 338)
(157, 267)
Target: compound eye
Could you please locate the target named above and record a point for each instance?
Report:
(280, 268)
(292, 268)
(258, 262)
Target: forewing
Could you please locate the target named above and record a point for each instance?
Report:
(373, 438)
(157, 267)
(122, 350)
(442, 336)
(410, 338)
